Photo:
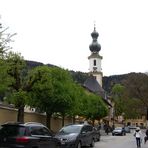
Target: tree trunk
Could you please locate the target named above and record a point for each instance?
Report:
(93, 122)
(48, 120)
(63, 118)
(73, 119)
(20, 115)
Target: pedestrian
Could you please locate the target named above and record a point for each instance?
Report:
(138, 136)
(107, 129)
(146, 135)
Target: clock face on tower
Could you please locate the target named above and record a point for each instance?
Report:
(94, 68)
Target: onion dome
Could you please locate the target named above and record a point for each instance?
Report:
(95, 46)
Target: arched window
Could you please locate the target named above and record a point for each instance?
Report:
(94, 62)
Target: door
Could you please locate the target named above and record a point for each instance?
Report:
(45, 139)
(84, 136)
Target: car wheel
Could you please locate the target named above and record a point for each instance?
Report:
(79, 145)
(92, 143)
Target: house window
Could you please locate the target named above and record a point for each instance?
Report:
(94, 62)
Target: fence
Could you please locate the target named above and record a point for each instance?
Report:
(8, 114)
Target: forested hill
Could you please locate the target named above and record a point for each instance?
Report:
(80, 77)
(32, 64)
(108, 82)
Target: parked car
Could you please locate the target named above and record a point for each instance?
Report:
(132, 127)
(28, 135)
(119, 131)
(97, 134)
(76, 136)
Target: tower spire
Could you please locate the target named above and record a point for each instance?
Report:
(95, 59)
(95, 46)
(94, 25)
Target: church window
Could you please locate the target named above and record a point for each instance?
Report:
(94, 62)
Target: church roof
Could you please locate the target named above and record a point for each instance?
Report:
(95, 55)
(92, 85)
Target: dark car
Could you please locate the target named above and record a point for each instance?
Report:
(97, 134)
(119, 131)
(28, 135)
(76, 136)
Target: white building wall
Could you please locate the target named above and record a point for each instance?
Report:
(96, 69)
(98, 78)
(98, 64)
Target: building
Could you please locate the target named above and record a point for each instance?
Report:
(94, 82)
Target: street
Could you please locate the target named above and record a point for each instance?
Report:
(127, 141)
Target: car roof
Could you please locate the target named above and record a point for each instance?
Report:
(118, 127)
(77, 124)
(74, 125)
(22, 124)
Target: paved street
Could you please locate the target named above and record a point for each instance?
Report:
(127, 141)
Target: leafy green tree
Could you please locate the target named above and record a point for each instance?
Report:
(78, 96)
(118, 90)
(118, 98)
(16, 72)
(19, 99)
(51, 91)
(92, 107)
(11, 72)
(5, 39)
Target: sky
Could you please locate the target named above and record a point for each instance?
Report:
(58, 32)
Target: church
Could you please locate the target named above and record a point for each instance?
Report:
(94, 82)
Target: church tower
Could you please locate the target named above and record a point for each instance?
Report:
(95, 58)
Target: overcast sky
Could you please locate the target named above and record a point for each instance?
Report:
(58, 32)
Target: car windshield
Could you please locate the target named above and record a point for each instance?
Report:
(126, 127)
(9, 130)
(118, 128)
(71, 129)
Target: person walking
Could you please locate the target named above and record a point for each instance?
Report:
(107, 129)
(138, 136)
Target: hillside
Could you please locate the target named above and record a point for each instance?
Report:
(80, 77)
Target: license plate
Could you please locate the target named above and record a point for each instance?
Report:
(62, 142)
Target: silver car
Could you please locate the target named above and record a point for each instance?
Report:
(119, 131)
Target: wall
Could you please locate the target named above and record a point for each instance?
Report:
(137, 122)
(10, 115)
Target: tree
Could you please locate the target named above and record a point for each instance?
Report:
(125, 103)
(118, 98)
(51, 91)
(11, 73)
(78, 95)
(92, 107)
(5, 39)
(136, 87)
(16, 72)
(97, 108)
